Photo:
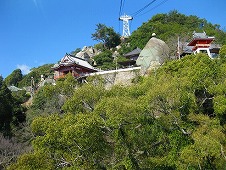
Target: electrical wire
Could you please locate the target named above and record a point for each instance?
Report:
(120, 11)
(142, 9)
(136, 14)
(164, 1)
(121, 8)
(122, 2)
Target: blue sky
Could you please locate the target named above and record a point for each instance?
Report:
(37, 32)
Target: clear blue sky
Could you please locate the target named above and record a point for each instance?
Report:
(37, 32)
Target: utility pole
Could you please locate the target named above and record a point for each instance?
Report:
(32, 86)
(178, 47)
(125, 19)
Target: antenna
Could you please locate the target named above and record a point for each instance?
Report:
(125, 19)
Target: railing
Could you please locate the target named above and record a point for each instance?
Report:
(59, 76)
(63, 76)
(97, 73)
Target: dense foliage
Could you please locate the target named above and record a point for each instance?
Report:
(14, 78)
(49, 99)
(36, 74)
(107, 36)
(173, 119)
(11, 111)
(168, 27)
(223, 52)
(104, 60)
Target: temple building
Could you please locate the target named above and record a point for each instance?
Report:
(77, 66)
(131, 58)
(201, 43)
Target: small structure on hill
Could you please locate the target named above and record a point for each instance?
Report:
(13, 88)
(46, 80)
(201, 43)
(131, 58)
(153, 55)
(77, 66)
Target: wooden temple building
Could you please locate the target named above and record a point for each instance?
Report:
(201, 43)
(77, 66)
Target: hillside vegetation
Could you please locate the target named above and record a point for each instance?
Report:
(168, 27)
(174, 118)
(16, 78)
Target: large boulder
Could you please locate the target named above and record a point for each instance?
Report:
(153, 55)
(87, 53)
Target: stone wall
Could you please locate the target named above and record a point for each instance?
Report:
(118, 77)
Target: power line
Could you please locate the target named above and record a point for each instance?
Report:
(122, 2)
(135, 14)
(142, 9)
(120, 8)
(164, 1)
(120, 11)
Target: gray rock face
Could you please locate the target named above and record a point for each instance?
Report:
(87, 53)
(153, 55)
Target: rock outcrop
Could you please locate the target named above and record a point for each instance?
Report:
(153, 55)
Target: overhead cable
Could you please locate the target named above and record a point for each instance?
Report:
(121, 8)
(142, 9)
(122, 2)
(164, 1)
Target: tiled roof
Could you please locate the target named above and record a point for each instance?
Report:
(81, 62)
(199, 35)
(134, 52)
(69, 60)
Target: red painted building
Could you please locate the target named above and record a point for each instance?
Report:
(78, 67)
(201, 43)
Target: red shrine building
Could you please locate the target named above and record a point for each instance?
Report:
(77, 66)
(201, 43)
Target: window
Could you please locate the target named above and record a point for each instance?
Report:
(203, 51)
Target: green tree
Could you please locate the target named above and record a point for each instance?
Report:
(49, 99)
(12, 113)
(173, 119)
(36, 73)
(207, 151)
(171, 25)
(74, 141)
(84, 99)
(21, 95)
(223, 51)
(104, 60)
(6, 108)
(106, 35)
(76, 51)
(14, 78)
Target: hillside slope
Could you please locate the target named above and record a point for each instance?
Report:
(173, 119)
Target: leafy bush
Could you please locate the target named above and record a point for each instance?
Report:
(163, 122)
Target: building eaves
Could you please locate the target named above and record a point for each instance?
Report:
(134, 52)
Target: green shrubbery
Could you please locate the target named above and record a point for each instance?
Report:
(173, 119)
